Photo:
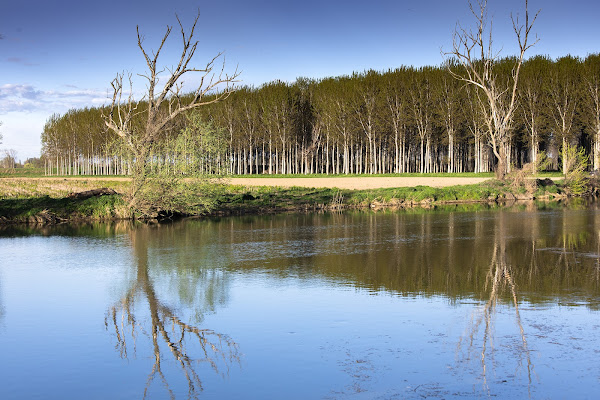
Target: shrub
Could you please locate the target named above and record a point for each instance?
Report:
(576, 176)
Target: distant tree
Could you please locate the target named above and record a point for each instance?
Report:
(563, 88)
(533, 100)
(449, 110)
(34, 162)
(9, 161)
(475, 120)
(402, 120)
(162, 106)
(323, 109)
(422, 106)
(592, 102)
(366, 104)
(344, 124)
(473, 50)
(397, 114)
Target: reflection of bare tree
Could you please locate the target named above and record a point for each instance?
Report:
(499, 280)
(170, 337)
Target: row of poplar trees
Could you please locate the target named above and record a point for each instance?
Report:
(403, 120)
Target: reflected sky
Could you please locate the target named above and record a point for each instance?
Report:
(360, 304)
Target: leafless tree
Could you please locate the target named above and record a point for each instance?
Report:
(161, 105)
(9, 161)
(473, 50)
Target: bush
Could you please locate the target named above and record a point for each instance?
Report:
(576, 177)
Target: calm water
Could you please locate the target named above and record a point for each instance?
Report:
(357, 305)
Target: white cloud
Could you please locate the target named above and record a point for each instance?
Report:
(27, 98)
(18, 91)
(24, 109)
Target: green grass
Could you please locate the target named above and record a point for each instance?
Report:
(94, 208)
(22, 188)
(39, 173)
(241, 198)
(24, 199)
(481, 192)
(21, 172)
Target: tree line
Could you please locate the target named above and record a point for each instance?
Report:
(403, 120)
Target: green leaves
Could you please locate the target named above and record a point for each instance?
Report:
(369, 122)
(576, 177)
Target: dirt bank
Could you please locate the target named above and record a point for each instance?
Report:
(366, 182)
(358, 182)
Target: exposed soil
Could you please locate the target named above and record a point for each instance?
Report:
(359, 182)
(366, 182)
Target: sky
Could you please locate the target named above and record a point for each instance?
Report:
(62, 54)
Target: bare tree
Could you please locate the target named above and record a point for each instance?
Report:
(162, 105)
(473, 50)
(9, 161)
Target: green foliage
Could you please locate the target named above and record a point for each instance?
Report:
(167, 195)
(359, 123)
(199, 148)
(576, 176)
(181, 175)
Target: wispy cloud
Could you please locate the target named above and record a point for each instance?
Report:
(27, 98)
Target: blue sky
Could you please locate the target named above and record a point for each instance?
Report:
(63, 54)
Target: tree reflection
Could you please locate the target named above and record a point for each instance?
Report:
(499, 283)
(141, 314)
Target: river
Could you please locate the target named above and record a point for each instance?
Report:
(416, 304)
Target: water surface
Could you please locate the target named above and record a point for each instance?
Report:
(355, 305)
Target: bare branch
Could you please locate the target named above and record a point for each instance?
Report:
(480, 72)
(166, 102)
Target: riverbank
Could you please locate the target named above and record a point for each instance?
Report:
(48, 201)
(360, 183)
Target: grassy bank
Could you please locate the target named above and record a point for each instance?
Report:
(40, 200)
(240, 199)
(47, 201)
(53, 210)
